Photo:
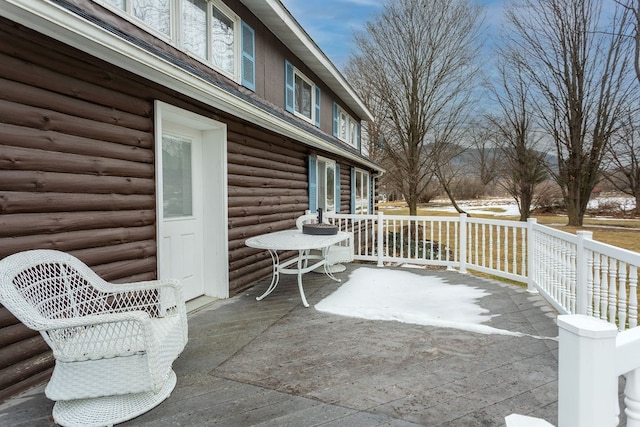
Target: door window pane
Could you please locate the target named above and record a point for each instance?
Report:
(362, 192)
(326, 183)
(194, 26)
(222, 41)
(155, 13)
(176, 176)
(322, 185)
(331, 187)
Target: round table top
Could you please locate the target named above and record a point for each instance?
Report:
(295, 240)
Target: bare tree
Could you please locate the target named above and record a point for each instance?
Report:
(624, 155)
(523, 166)
(418, 56)
(483, 158)
(633, 8)
(581, 74)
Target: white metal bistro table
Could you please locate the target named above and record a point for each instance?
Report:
(295, 240)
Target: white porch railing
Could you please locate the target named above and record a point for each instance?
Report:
(580, 277)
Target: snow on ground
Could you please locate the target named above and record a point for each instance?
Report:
(498, 207)
(508, 207)
(624, 203)
(407, 297)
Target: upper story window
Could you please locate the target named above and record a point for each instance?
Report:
(302, 96)
(223, 51)
(205, 29)
(155, 13)
(345, 127)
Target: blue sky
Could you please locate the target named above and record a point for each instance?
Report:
(331, 23)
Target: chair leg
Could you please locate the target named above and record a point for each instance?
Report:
(110, 410)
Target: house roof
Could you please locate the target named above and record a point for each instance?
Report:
(279, 20)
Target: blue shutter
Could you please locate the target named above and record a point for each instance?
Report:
(337, 183)
(313, 187)
(353, 190)
(289, 87)
(317, 106)
(358, 137)
(248, 57)
(336, 120)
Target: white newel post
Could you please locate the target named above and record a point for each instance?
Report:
(587, 378)
(463, 243)
(582, 294)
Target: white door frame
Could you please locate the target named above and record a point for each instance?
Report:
(214, 173)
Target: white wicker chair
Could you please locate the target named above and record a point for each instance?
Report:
(113, 344)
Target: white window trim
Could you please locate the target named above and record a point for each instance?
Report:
(175, 37)
(298, 73)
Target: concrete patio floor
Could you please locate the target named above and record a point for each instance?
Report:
(277, 363)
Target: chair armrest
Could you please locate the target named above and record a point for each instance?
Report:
(157, 297)
(140, 286)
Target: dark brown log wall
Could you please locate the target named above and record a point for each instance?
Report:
(76, 174)
(267, 192)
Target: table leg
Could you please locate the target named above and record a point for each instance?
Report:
(300, 263)
(327, 268)
(275, 277)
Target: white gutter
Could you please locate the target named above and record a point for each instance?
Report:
(70, 29)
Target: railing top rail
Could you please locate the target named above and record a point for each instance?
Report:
(357, 216)
(624, 255)
(504, 222)
(423, 218)
(571, 238)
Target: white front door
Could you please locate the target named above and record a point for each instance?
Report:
(182, 255)
(191, 158)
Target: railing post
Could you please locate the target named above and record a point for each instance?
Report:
(380, 238)
(581, 272)
(463, 243)
(587, 379)
(530, 255)
(632, 398)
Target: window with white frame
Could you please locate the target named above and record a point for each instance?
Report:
(345, 127)
(361, 192)
(206, 29)
(302, 96)
(324, 184)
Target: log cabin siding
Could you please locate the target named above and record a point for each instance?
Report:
(268, 190)
(76, 174)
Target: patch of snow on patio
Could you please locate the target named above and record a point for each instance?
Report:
(407, 297)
